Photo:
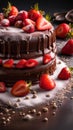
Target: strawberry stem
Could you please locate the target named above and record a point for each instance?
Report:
(71, 70)
(29, 84)
(70, 34)
(48, 17)
(36, 7)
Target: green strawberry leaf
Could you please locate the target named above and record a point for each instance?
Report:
(71, 70)
(7, 10)
(70, 34)
(48, 17)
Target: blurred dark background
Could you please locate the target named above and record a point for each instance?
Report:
(50, 6)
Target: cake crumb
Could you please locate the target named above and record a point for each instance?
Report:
(33, 111)
(38, 113)
(45, 109)
(27, 117)
(34, 96)
(45, 119)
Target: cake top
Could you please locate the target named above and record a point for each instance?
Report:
(28, 21)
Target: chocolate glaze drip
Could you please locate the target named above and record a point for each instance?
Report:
(22, 45)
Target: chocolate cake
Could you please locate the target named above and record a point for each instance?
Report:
(17, 45)
(24, 57)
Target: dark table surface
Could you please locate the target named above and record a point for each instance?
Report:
(63, 120)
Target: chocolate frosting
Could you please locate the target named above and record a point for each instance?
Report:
(14, 43)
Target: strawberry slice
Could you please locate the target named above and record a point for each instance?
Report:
(47, 58)
(8, 63)
(21, 63)
(64, 74)
(43, 24)
(2, 87)
(31, 63)
(20, 88)
(46, 82)
(68, 48)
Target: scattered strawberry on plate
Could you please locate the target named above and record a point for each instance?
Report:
(46, 82)
(62, 30)
(68, 48)
(64, 74)
(20, 88)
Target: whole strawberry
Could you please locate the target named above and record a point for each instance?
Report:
(68, 48)
(34, 13)
(64, 74)
(10, 10)
(46, 82)
(62, 30)
(22, 15)
(5, 22)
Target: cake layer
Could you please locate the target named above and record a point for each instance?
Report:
(11, 75)
(14, 43)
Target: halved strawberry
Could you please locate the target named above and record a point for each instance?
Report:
(2, 87)
(46, 82)
(62, 30)
(20, 88)
(21, 63)
(47, 58)
(29, 28)
(31, 63)
(64, 74)
(8, 63)
(43, 24)
(68, 48)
